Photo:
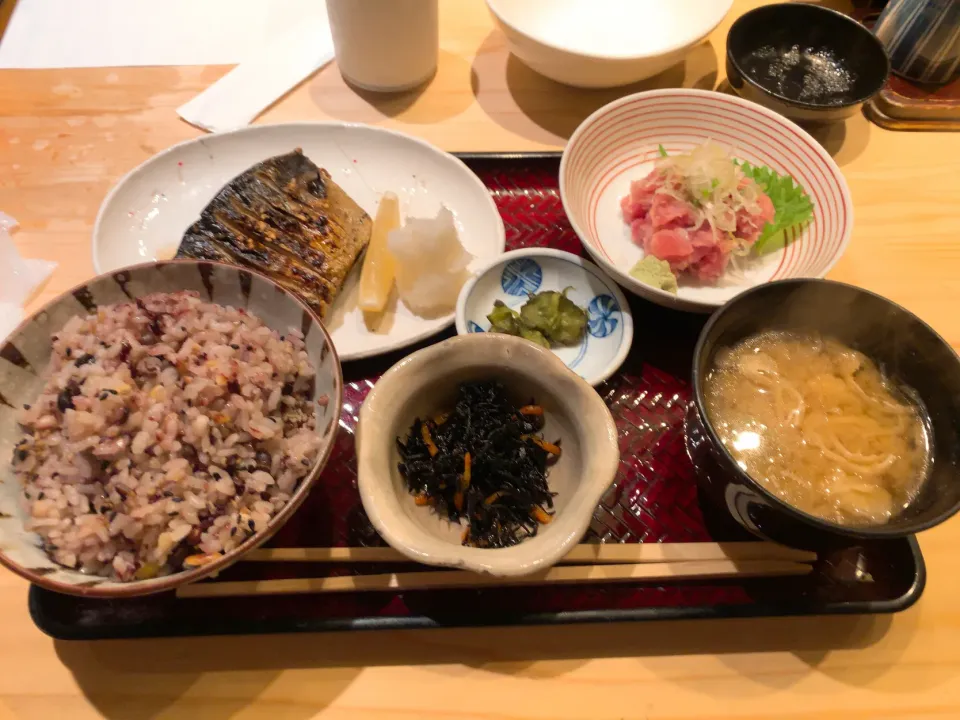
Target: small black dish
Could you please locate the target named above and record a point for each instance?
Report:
(906, 347)
(806, 62)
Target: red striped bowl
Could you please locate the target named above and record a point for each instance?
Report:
(618, 144)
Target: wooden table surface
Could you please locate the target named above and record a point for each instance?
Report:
(67, 135)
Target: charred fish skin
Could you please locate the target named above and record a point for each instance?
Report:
(287, 218)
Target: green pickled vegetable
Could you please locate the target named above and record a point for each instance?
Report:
(541, 311)
(146, 571)
(504, 320)
(548, 318)
(571, 322)
(534, 336)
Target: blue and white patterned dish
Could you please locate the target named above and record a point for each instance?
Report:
(515, 275)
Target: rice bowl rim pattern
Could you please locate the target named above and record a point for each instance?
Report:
(623, 135)
(112, 589)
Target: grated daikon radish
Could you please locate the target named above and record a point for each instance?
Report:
(431, 263)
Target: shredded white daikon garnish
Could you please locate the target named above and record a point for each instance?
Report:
(712, 183)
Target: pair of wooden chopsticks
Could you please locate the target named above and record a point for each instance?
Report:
(586, 563)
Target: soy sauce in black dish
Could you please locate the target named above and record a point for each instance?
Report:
(807, 74)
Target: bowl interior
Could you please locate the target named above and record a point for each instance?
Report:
(613, 28)
(510, 281)
(781, 27)
(619, 144)
(26, 354)
(907, 349)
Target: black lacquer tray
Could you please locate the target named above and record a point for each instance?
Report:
(654, 499)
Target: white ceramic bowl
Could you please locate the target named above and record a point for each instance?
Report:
(424, 384)
(25, 354)
(604, 43)
(514, 275)
(146, 213)
(618, 144)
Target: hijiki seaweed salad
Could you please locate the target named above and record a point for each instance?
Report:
(485, 463)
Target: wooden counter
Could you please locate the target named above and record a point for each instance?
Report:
(67, 135)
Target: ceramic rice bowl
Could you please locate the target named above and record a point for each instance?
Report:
(26, 353)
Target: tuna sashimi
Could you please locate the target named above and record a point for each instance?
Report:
(668, 211)
(672, 245)
(694, 210)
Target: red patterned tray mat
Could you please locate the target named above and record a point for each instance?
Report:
(654, 497)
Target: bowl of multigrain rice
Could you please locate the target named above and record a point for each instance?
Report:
(162, 420)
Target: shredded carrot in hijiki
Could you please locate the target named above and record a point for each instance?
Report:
(548, 446)
(428, 441)
(541, 515)
(464, 483)
(531, 410)
(465, 479)
(422, 500)
(492, 498)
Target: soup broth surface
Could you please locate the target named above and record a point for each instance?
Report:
(820, 426)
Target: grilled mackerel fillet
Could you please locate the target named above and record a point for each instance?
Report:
(287, 219)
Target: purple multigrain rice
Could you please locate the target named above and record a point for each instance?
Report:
(129, 473)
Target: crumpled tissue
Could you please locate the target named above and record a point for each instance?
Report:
(19, 277)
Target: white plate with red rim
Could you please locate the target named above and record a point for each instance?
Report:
(146, 213)
(619, 144)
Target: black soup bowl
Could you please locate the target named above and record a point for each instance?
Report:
(806, 62)
(906, 348)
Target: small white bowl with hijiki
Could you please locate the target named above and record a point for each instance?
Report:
(520, 275)
(427, 384)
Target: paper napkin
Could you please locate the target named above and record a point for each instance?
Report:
(19, 277)
(243, 93)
